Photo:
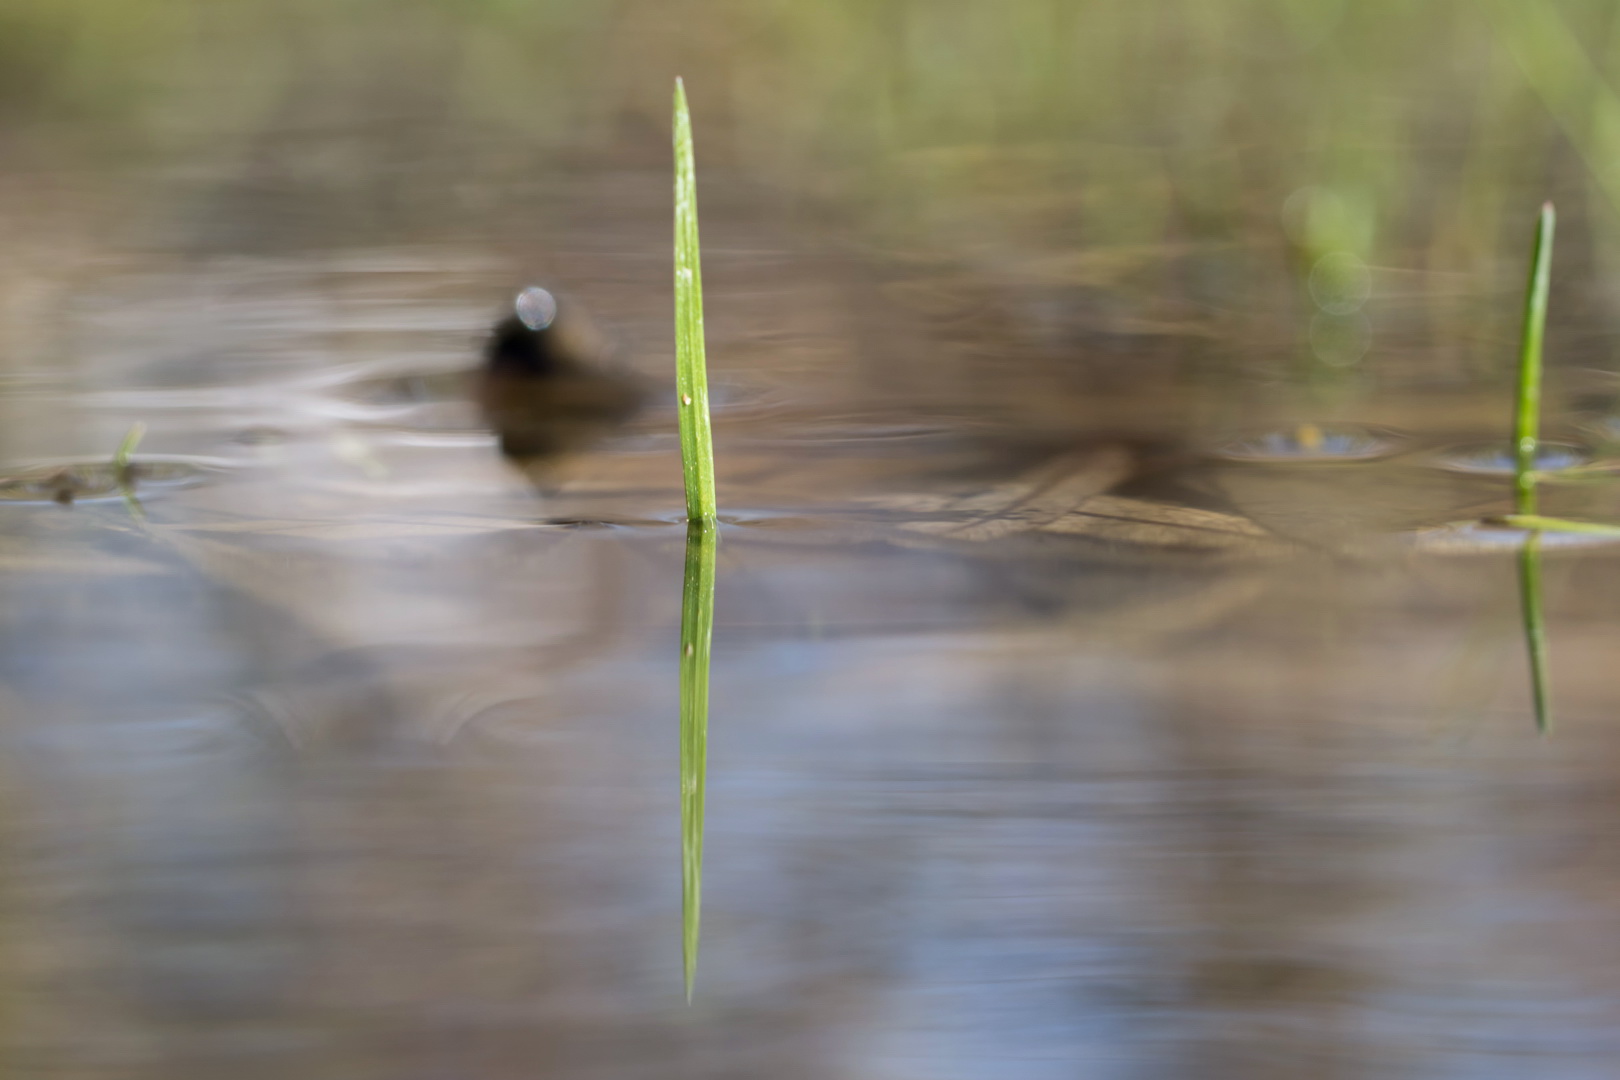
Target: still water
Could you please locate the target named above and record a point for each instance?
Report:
(1143, 748)
(1103, 685)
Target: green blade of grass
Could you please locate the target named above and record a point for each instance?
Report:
(1526, 436)
(697, 630)
(1552, 524)
(1527, 415)
(1535, 628)
(691, 372)
(123, 471)
(126, 449)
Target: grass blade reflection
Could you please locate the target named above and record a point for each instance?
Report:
(1535, 628)
(697, 629)
(124, 469)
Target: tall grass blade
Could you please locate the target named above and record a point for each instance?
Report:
(691, 371)
(697, 629)
(126, 450)
(1535, 628)
(1527, 415)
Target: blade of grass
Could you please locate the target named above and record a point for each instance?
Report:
(1526, 436)
(697, 630)
(1535, 628)
(1552, 524)
(123, 471)
(126, 450)
(1527, 415)
(691, 371)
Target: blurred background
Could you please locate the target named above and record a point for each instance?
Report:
(343, 752)
(1311, 183)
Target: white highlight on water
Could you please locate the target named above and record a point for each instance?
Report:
(536, 307)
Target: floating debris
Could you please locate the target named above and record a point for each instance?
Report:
(94, 480)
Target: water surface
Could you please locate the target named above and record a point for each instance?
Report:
(1102, 682)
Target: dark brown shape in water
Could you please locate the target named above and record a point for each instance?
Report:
(546, 387)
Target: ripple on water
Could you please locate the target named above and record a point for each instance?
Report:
(1314, 442)
(87, 481)
(1483, 538)
(1604, 429)
(439, 401)
(1496, 458)
(410, 388)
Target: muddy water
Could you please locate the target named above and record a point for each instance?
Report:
(1077, 712)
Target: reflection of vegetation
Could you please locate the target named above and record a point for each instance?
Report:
(124, 469)
(1527, 408)
(697, 628)
(1526, 436)
(697, 597)
(1535, 627)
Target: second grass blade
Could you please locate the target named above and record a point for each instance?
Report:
(1527, 415)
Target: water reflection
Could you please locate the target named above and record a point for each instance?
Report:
(697, 632)
(334, 766)
(545, 387)
(1535, 628)
(1071, 748)
(1315, 442)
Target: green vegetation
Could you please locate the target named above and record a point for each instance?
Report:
(1552, 524)
(702, 538)
(124, 470)
(1526, 441)
(1527, 413)
(126, 451)
(691, 371)
(1527, 417)
(697, 629)
(1535, 628)
(919, 109)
